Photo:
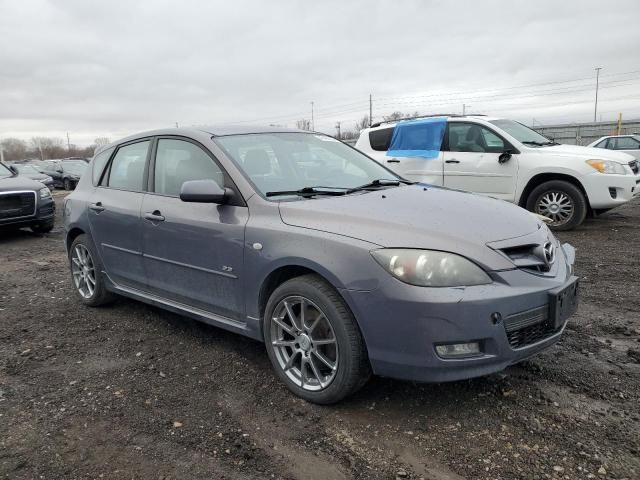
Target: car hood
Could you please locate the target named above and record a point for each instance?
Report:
(37, 176)
(418, 216)
(18, 183)
(587, 153)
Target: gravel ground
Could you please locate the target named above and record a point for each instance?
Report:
(131, 391)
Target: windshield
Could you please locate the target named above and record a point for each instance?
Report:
(26, 169)
(521, 133)
(276, 162)
(76, 168)
(4, 171)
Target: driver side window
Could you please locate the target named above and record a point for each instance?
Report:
(469, 137)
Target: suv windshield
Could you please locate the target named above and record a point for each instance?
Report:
(522, 133)
(4, 171)
(276, 163)
(26, 169)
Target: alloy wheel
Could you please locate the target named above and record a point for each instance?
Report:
(83, 271)
(304, 343)
(557, 206)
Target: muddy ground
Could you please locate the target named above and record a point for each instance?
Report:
(131, 391)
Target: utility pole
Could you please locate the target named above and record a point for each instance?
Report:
(338, 129)
(312, 122)
(370, 111)
(464, 109)
(1, 153)
(619, 123)
(595, 108)
(68, 143)
(176, 124)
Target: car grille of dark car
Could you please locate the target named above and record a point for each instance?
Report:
(17, 204)
(635, 167)
(524, 256)
(529, 327)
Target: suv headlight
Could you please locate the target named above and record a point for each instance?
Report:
(430, 268)
(44, 193)
(607, 166)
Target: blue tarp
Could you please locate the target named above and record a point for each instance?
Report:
(418, 138)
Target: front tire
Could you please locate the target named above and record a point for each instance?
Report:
(560, 201)
(67, 184)
(313, 341)
(86, 273)
(42, 227)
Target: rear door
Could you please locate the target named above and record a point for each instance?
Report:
(193, 252)
(471, 161)
(114, 214)
(416, 169)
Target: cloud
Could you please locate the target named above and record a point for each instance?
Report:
(112, 68)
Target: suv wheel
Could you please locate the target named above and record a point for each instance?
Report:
(86, 273)
(560, 201)
(67, 184)
(313, 341)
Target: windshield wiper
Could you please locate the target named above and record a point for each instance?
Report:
(540, 144)
(306, 192)
(381, 182)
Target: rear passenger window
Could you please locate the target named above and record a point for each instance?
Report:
(381, 139)
(99, 162)
(624, 143)
(127, 167)
(178, 161)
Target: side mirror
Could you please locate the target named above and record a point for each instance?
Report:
(504, 157)
(204, 191)
(59, 170)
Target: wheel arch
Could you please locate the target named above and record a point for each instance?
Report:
(541, 178)
(74, 233)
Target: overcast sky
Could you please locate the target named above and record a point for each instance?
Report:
(111, 68)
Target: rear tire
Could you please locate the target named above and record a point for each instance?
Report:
(86, 273)
(561, 201)
(67, 184)
(328, 321)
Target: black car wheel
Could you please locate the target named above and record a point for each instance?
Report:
(313, 341)
(67, 184)
(42, 227)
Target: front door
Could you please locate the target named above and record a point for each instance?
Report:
(114, 215)
(193, 252)
(471, 161)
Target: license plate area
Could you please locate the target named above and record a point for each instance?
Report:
(563, 303)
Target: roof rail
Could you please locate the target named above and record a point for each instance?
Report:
(377, 124)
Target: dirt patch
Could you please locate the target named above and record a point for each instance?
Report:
(131, 391)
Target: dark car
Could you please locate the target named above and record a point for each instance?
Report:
(340, 266)
(24, 202)
(65, 173)
(32, 172)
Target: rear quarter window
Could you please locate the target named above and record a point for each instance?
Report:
(99, 162)
(381, 139)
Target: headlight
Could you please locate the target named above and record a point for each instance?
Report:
(430, 268)
(44, 193)
(607, 166)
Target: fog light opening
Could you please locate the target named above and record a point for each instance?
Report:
(459, 350)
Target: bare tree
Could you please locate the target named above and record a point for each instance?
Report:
(397, 115)
(102, 141)
(14, 149)
(304, 124)
(362, 123)
(49, 147)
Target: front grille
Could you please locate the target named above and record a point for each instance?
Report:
(17, 204)
(46, 210)
(635, 166)
(529, 327)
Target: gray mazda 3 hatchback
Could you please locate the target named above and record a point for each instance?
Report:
(341, 267)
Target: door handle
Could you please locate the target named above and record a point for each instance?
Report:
(453, 160)
(154, 216)
(393, 160)
(96, 207)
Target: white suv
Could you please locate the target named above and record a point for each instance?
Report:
(505, 159)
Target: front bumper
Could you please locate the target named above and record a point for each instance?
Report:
(45, 213)
(402, 324)
(609, 191)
